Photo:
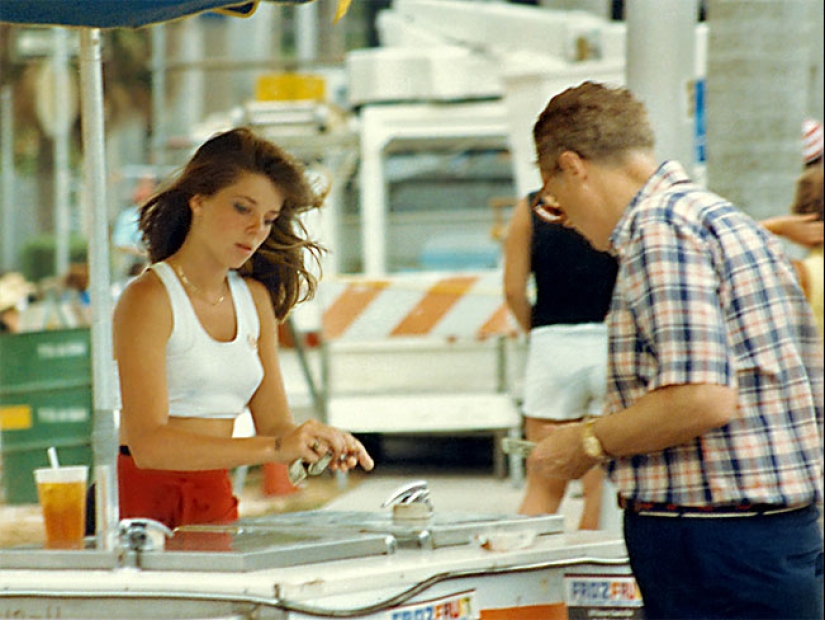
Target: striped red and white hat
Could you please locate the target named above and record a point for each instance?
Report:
(812, 140)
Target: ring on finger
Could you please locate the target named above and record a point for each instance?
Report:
(315, 445)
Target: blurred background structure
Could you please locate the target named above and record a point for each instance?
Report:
(728, 83)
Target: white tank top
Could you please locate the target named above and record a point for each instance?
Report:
(207, 378)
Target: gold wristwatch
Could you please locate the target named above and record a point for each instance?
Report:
(590, 443)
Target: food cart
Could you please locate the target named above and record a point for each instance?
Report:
(330, 564)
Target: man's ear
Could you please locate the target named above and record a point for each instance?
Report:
(572, 163)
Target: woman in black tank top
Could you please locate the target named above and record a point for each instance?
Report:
(573, 285)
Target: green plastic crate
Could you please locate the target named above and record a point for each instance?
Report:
(45, 400)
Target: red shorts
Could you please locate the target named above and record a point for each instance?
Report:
(175, 497)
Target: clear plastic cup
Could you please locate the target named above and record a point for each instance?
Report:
(62, 495)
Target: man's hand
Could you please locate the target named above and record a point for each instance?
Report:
(561, 454)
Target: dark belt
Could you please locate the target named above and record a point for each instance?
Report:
(745, 509)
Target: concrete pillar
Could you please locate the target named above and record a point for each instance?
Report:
(757, 91)
(817, 85)
(661, 52)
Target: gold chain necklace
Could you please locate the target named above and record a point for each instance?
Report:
(196, 289)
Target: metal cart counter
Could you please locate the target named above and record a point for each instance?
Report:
(319, 564)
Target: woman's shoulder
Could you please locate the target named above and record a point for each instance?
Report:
(144, 296)
(147, 284)
(143, 319)
(260, 295)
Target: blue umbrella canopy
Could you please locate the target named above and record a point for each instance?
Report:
(117, 13)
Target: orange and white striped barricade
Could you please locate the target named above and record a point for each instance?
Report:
(419, 353)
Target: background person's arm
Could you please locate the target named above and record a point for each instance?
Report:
(517, 263)
(806, 230)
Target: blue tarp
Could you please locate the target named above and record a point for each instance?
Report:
(116, 13)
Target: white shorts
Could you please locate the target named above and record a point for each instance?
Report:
(566, 374)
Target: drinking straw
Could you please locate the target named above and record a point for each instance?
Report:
(52, 452)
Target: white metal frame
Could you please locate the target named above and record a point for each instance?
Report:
(383, 124)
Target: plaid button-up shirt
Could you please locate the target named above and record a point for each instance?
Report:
(705, 296)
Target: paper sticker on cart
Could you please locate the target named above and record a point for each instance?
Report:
(602, 596)
(461, 606)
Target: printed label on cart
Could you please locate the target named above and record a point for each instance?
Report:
(460, 606)
(61, 415)
(52, 350)
(602, 597)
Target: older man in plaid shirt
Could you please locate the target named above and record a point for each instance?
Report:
(713, 425)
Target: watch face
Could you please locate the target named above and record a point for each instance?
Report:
(592, 447)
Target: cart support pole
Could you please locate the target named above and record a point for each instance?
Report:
(104, 438)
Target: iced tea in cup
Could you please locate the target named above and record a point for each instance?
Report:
(62, 495)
